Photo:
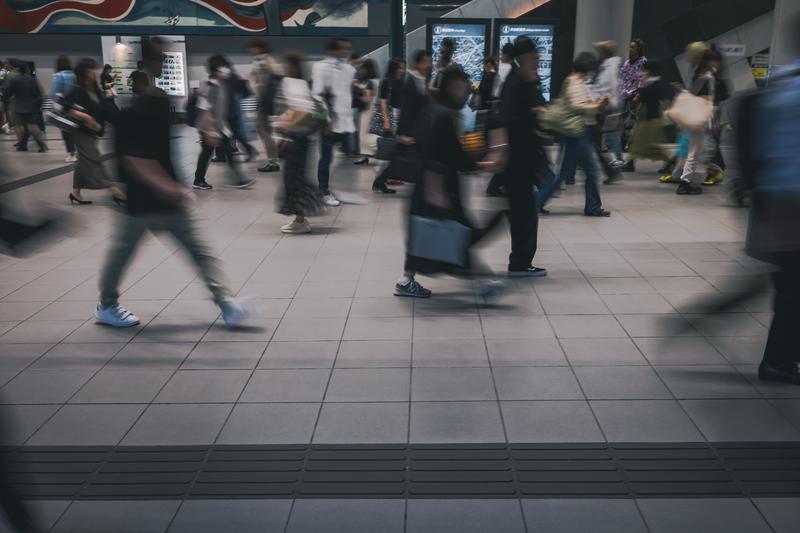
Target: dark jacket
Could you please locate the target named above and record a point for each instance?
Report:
(26, 93)
(415, 113)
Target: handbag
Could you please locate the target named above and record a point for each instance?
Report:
(559, 118)
(376, 123)
(386, 147)
(690, 111)
(59, 117)
(442, 240)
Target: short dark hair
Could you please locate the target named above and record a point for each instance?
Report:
(140, 64)
(294, 64)
(369, 70)
(508, 49)
(107, 67)
(420, 55)
(585, 62)
(63, 63)
(490, 60)
(639, 45)
(447, 42)
(259, 43)
(653, 68)
(523, 45)
(450, 75)
(152, 50)
(82, 77)
(393, 66)
(337, 43)
(216, 62)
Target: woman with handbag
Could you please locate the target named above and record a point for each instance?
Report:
(385, 118)
(366, 91)
(579, 150)
(86, 103)
(63, 82)
(440, 233)
(299, 197)
(107, 84)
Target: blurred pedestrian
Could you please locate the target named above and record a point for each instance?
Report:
(366, 92)
(265, 82)
(715, 173)
(331, 85)
(216, 123)
(299, 197)
(630, 76)
(486, 86)
(157, 202)
(607, 83)
(648, 135)
(63, 83)
(11, 71)
(446, 50)
(138, 80)
(580, 151)
(27, 99)
(86, 103)
(390, 102)
(107, 84)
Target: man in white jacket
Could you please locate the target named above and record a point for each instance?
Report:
(607, 84)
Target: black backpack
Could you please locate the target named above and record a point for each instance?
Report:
(268, 92)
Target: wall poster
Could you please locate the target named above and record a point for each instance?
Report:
(471, 38)
(541, 33)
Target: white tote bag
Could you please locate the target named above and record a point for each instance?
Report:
(690, 111)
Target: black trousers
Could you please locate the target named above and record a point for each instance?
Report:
(782, 343)
(26, 120)
(68, 144)
(207, 151)
(523, 219)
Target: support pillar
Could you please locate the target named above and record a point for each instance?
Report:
(397, 30)
(599, 20)
(784, 33)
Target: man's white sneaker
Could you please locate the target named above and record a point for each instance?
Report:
(331, 201)
(234, 311)
(297, 227)
(116, 316)
(72, 158)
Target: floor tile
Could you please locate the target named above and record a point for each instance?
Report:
(645, 421)
(21, 421)
(699, 382)
(537, 383)
(346, 516)
(586, 326)
(456, 422)
(117, 516)
(270, 423)
(734, 515)
(310, 329)
(526, 352)
(299, 354)
(199, 386)
(150, 355)
(122, 386)
(362, 423)
(47, 513)
(87, 425)
(571, 516)
(451, 384)
(513, 327)
(286, 385)
(33, 332)
(740, 350)
(369, 329)
(657, 325)
(224, 355)
(548, 421)
(465, 516)
(16, 357)
(381, 307)
(77, 356)
(44, 386)
(740, 420)
(573, 304)
(369, 385)
(241, 516)
(319, 308)
(374, 354)
(783, 514)
(727, 325)
(179, 424)
(679, 351)
(444, 327)
(621, 383)
(450, 353)
(602, 352)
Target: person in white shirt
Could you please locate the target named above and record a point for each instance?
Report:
(607, 84)
(331, 84)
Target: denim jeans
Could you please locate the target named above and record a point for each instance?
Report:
(614, 142)
(578, 152)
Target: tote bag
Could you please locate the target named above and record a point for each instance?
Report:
(559, 118)
(690, 111)
(442, 240)
(376, 124)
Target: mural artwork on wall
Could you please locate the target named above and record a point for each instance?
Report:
(177, 16)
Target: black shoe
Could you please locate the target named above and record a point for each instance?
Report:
(569, 182)
(22, 149)
(599, 213)
(784, 374)
(42, 149)
(530, 272)
(202, 185)
(217, 159)
(495, 193)
(383, 188)
(75, 200)
(243, 184)
(629, 166)
(543, 211)
(688, 188)
(271, 166)
(364, 161)
(613, 179)
(120, 201)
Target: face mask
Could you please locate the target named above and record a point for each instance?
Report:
(224, 72)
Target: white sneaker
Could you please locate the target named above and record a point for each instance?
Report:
(234, 311)
(297, 227)
(6, 129)
(116, 316)
(331, 201)
(71, 158)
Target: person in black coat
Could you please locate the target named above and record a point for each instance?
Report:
(27, 95)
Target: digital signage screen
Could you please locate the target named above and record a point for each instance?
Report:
(471, 37)
(541, 33)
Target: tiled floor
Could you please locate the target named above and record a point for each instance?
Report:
(612, 345)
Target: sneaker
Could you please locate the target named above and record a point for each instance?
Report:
(492, 289)
(688, 188)
(667, 178)
(297, 227)
(43, 149)
(628, 166)
(599, 213)
(383, 188)
(613, 179)
(271, 166)
(330, 200)
(530, 272)
(116, 316)
(202, 185)
(713, 178)
(411, 289)
(244, 184)
(784, 374)
(234, 311)
(617, 163)
(543, 212)
(71, 158)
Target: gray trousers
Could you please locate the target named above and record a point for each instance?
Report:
(183, 227)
